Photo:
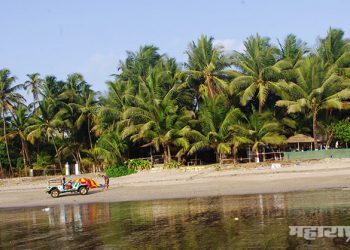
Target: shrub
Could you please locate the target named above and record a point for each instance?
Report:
(172, 164)
(138, 164)
(119, 170)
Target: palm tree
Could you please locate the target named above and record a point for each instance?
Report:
(334, 51)
(259, 71)
(157, 124)
(137, 64)
(121, 94)
(19, 125)
(8, 101)
(292, 49)
(74, 87)
(258, 130)
(34, 84)
(215, 119)
(86, 107)
(206, 67)
(45, 123)
(317, 89)
(110, 146)
(291, 52)
(156, 117)
(51, 88)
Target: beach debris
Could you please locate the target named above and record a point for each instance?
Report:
(45, 209)
(275, 166)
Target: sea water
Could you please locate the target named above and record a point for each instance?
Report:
(227, 222)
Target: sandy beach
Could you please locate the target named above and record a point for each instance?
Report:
(187, 183)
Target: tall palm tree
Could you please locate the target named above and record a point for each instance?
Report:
(121, 94)
(19, 125)
(334, 51)
(259, 71)
(215, 119)
(111, 147)
(45, 124)
(317, 88)
(8, 101)
(156, 117)
(258, 130)
(51, 88)
(292, 49)
(34, 84)
(86, 107)
(157, 124)
(206, 67)
(137, 64)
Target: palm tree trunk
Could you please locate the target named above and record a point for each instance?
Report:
(314, 127)
(88, 124)
(169, 153)
(24, 158)
(217, 157)
(165, 154)
(1, 170)
(59, 159)
(234, 151)
(7, 148)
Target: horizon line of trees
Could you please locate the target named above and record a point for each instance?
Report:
(215, 102)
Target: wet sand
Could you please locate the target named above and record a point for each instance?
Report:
(180, 183)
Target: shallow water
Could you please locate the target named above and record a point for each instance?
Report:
(229, 222)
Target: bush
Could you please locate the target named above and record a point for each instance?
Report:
(172, 164)
(119, 170)
(138, 164)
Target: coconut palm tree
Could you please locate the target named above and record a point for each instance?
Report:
(317, 88)
(215, 119)
(258, 130)
(205, 67)
(8, 101)
(34, 85)
(110, 146)
(157, 124)
(258, 70)
(120, 95)
(292, 49)
(45, 124)
(137, 64)
(51, 88)
(156, 117)
(334, 51)
(86, 106)
(18, 126)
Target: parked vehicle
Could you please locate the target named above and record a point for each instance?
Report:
(55, 187)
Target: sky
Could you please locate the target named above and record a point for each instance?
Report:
(91, 36)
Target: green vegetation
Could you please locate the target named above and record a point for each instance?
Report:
(138, 164)
(119, 170)
(341, 131)
(214, 105)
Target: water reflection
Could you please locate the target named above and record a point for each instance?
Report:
(237, 222)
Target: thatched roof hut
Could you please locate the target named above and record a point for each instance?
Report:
(300, 138)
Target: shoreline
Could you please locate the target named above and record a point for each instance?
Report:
(177, 183)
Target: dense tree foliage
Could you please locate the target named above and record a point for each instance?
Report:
(214, 105)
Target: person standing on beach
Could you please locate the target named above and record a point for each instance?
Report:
(106, 178)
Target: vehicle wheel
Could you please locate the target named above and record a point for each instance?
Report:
(83, 190)
(55, 193)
